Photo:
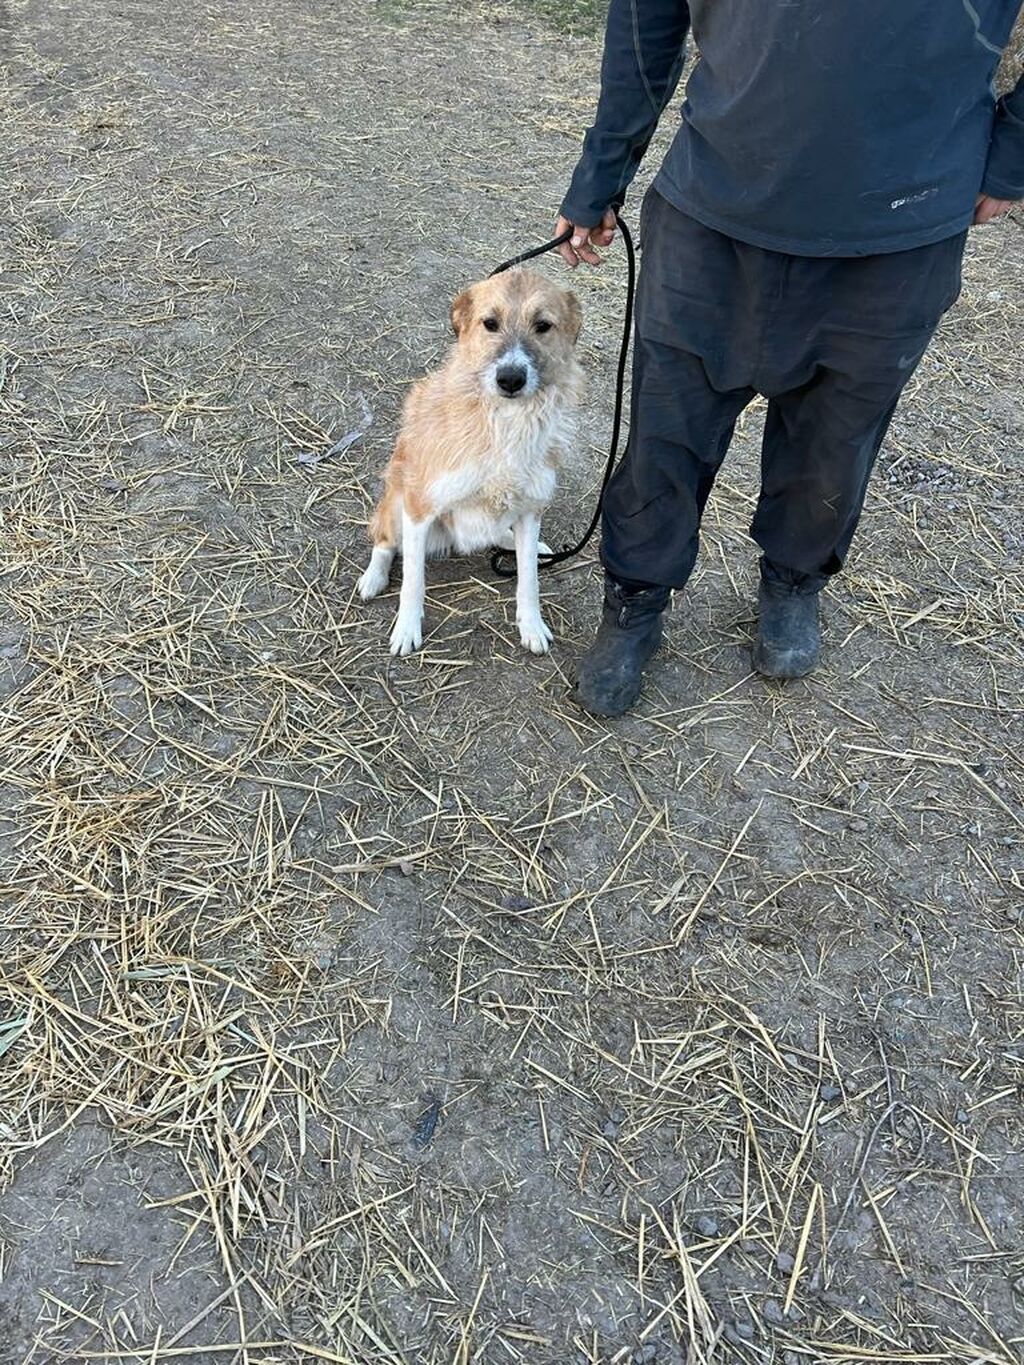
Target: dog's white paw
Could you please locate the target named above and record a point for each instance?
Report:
(377, 574)
(535, 635)
(407, 634)
(372, 583)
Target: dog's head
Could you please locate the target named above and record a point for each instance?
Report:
(517, 333)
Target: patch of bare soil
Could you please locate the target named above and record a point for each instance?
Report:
(355, 1010)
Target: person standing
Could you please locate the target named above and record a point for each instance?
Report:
(801, 240)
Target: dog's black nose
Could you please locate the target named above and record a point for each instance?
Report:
(511, 378)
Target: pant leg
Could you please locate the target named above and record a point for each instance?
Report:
(819, 448)
(822, 436)
(679, 435)
(685, 400)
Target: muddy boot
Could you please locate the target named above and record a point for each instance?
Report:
(608, 678)
(788, 632)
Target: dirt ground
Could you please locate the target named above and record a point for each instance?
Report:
(362, 1011)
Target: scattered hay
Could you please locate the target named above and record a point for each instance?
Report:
(437, 1021)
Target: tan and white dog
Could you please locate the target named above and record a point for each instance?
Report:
(481, 442)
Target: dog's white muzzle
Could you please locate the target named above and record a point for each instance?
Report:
(513, 374)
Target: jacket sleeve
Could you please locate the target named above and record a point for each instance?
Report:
(645, 43)
(1004, 175)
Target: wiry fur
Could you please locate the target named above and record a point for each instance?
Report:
(474, 467)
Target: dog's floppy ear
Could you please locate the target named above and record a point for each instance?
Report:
(462, 310)
(573, 314)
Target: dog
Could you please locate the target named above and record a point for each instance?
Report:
(480, 446)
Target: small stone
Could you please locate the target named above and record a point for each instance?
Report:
(406, 868)
(643, 1355)
(772, 1311)
(829, 1091)
(518, 903)
(732, 1336)
(784, 1262)
(744, 1328)
(706, 1225)
(612, 1124)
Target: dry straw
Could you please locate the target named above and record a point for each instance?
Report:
(722, 1005)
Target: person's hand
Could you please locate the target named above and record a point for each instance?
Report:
(987, 209)
(584, 239)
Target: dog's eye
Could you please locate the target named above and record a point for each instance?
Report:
(542, 326)
(492, 324)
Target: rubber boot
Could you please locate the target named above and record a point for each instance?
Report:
(788, 641)
(609, 675)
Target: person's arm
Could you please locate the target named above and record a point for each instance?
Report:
(1004, 175)
(644, 47)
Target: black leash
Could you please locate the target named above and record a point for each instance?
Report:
(533, 252)
(549, 561)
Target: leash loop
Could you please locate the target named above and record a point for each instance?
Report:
(548, 561)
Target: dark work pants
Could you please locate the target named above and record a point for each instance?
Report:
(830, 342)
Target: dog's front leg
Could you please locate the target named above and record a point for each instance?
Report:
(407, 634)
(532, 629)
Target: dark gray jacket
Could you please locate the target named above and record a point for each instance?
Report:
(813, 127)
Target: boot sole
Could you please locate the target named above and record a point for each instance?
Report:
(606, 712)
(784, 664)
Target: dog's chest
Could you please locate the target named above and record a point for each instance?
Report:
(518, 469)
(517, 487)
